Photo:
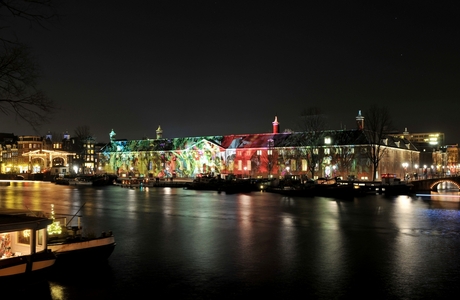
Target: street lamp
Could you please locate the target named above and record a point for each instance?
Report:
(405, 165)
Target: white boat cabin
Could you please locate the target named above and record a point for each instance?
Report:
(21, 235)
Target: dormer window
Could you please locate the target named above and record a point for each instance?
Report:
(327, 140)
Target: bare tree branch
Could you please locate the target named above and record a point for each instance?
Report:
(82, 132)
(19, 95)
(312, 125)
(378, 122)
(19, 73)
(38, 11)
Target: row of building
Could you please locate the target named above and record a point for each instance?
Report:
(335, 153)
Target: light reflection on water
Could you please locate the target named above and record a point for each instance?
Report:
(202, 244)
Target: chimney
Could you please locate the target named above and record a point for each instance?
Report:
(275, 125)
(159, 132)
(360, 121)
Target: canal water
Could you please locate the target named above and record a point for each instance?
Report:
(204, 245)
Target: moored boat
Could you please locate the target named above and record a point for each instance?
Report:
(23, 244)
(83, 249)
(334, 188)
(105, 179)
(206, 183)
(296, 191)
(393, 186)
(237, 186)
(70, 245)
(81, 180)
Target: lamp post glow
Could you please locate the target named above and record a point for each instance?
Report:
(405, 165)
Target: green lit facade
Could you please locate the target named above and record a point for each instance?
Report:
(253, 155)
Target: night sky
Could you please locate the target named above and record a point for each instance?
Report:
(228, 67)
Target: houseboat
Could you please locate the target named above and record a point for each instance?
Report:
(71, 246)
(23, 244)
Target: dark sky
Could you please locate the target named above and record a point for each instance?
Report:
(214, 68)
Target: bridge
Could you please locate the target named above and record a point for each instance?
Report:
(431, 184)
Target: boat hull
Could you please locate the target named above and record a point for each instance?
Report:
(83, 250)
(20, 266)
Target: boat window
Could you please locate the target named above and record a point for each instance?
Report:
(24, 237)
(40, 236)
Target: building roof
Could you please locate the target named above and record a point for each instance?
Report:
(247, 141)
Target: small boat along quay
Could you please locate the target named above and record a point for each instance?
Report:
(323, 187)
(145, 182)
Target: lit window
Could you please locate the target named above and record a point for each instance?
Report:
(327, 140)
(24, 237)
(327, 151)
(304, 165)
(293, 165)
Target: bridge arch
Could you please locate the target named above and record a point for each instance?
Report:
(434, 186)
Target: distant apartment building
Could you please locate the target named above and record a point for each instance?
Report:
(434, 153)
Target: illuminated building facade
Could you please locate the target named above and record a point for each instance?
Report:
(435, 156)
(30, 154)
(340, 153)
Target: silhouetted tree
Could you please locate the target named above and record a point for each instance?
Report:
(19, 94)
(344, 155)
(378, 122)
(82, 132)
(312, 125)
